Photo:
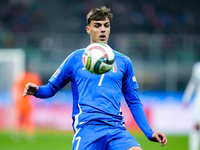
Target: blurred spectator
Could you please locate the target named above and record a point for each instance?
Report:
(193, 88)
(23, 120)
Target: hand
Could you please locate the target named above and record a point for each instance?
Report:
(30, 89)
(159, 137)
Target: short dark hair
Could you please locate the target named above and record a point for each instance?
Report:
(99, 14)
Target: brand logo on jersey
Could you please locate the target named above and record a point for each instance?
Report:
(56, 73)
(134, 79)
(114, 68)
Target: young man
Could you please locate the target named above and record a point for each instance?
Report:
(192, 88)
(97, 119)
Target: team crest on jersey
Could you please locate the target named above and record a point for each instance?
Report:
(114, 68)
(56, 73)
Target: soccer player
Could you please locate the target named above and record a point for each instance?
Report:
(23, 106)
(97, 117)
(193, 88)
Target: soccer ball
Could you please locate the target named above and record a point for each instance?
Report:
(98, 58)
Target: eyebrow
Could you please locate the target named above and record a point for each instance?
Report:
(101, 23)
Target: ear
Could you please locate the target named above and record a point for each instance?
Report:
(87, 28)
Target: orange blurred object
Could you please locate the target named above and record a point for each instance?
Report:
(23, 107)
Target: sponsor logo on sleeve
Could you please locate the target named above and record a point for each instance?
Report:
(56, 73)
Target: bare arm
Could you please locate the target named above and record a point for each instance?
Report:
(30, 89)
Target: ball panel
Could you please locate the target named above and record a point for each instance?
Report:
(96, 67)
(88, 63)
(98, 58)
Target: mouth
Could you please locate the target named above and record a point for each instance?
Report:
(102, 37)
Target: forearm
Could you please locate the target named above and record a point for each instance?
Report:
(46, 91)
(138, 113)
(141, 119)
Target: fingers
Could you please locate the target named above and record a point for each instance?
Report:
(160, 137)
(30, 89)
(26, 89)
(164, 140)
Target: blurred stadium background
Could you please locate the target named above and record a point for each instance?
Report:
(161, 37)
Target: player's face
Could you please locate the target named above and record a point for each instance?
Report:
(99, 31)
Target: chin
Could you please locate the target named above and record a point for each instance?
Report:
(105, 42)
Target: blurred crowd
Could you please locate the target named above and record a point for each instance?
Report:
(149, 16)
(149, 30)
(146, 16)
(68, 16)
(158, 16)
(17, 16)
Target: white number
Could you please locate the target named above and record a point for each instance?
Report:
(79, 139)
(101, 79)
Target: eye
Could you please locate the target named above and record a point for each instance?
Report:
(107, 25)
(97, 25)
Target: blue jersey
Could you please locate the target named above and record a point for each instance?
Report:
(96, 98)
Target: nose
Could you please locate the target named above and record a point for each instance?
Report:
(102, 29)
